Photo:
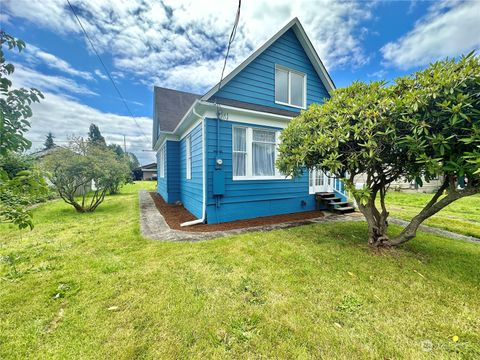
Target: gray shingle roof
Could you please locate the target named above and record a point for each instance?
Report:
(170, 106)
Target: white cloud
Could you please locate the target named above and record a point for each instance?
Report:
(181, 44)
(66, 117)
(451, 28)
(379, 74)
(35, 55)
(100, 74)
(4, 18)
(27, 77)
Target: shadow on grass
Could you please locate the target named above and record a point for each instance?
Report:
(438, 257)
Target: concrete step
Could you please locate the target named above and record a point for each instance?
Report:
(344, 210)
(325, 195)
(340, 203)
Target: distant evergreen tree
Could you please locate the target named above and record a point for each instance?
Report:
(133, 161)
(117, 149)
(49, 143)
(95, 136)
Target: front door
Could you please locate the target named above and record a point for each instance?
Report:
(320, 182)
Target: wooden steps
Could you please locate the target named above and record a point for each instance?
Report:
(334, 203)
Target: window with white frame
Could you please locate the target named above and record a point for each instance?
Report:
(263, 153)
(239, 151)
(254, 152)
(161, 162)
(290, 87)
(188, 154)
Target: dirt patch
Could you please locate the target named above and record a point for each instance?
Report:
(176, 214)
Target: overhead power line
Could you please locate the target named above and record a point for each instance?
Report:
(106, 69)
(230, 41)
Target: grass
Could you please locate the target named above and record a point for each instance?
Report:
(462, 216)
(89, 286)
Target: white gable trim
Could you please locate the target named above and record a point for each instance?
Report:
(307, 46)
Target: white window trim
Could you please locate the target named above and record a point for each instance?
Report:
(237, 151)
(162, 161)
(188, 157)
(249, 157)
(290, 71)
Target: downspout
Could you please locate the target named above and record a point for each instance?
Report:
(204, 172)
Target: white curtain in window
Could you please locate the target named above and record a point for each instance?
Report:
(263, 148)
(281, 85)
(297, 87)
(239, 151)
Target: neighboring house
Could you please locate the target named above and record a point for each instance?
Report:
(405, 186)
(427, 186)
(216, 153)
(40, 154)
(148, 172)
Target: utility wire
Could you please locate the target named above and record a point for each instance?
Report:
(106, 69)
(230, 41)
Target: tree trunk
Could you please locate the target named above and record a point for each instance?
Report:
(429, 210)
(377, 223)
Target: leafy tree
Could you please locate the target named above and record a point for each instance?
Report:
(73, 169)
(49, 143)
(16, 188)
(14, 103)
(21, 184)
(423, 126)
(95, 136)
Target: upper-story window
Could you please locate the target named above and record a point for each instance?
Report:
(290, 87)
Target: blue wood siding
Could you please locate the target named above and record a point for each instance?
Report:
(173, 171)
(256, 82)
(191, 190)
(249, 198)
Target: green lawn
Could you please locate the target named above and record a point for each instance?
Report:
(463, 216)
(88, 286)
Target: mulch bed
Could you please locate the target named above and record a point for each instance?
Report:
(176, 214)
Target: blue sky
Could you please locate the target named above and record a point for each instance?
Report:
(181, 44)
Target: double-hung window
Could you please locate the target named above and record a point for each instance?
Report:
(254, 152)
(263, 153)
(239, 151)
(161, 162)
(188, 156)
(290, 87)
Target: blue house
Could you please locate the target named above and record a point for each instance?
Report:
(216, 153)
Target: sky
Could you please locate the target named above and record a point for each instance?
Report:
(181, 44)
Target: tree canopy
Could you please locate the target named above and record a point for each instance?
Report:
(18, 186)
(95, 136)
(14, 103)
(422, 126)
(82, 167)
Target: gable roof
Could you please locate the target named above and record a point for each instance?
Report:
(45, 152)
(151, 166)
(307, 45)
(170, 106)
